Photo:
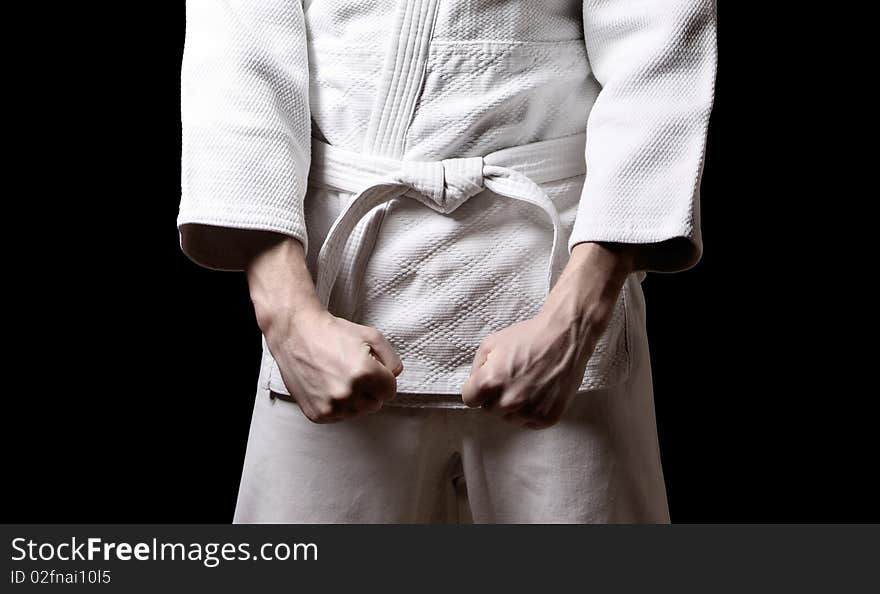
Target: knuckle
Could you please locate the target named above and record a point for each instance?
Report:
(323, 410)
(361, 374)
(320, 417)
(363, 384)
(339, 394)
(373, 335)
(328, 410)
(491, 381)
(469, 397)
(506, 405)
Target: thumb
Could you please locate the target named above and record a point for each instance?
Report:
(471, 394)
(382, 350)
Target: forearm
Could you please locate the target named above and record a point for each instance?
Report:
(279, 281)
(591, 281)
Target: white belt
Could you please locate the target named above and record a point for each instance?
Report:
(441, 185)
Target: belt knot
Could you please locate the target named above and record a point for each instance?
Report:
(443, 185)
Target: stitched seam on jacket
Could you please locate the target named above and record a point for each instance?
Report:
(390, 67)
(404, 126)
(399, 94)
(415, 75)
(401, 73)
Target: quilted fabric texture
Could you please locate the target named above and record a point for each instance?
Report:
(428, 80)
(656, 63)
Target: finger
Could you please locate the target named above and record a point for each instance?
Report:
(389, 382)
(557, 411)
(383, 350)
(551, 410)
(481, 355)
(375, 381)
(482, 388)
(534, 417)
(468, 394)
(312, 415)
(514, 407)
(551, 400)
(525, 419)
(360, 404)
(470, 390)
(508, 404)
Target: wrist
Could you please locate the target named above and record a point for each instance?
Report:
(591, 282)
(277, 315)
(280, 285)
(612, 262)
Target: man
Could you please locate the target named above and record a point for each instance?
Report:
(445, 210)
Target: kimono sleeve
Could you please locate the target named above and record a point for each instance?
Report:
(245, 126)
(646, 133)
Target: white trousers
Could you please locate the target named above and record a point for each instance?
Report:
(599, 464)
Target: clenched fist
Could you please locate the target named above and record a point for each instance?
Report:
(332, 367)
(528, 372)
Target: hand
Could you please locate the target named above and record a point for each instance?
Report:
(332, 367)
(528, 372)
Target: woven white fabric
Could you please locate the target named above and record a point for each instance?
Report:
(439, 86)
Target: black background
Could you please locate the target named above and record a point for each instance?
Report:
(131, 389)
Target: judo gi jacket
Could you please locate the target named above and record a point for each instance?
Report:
(439, 159)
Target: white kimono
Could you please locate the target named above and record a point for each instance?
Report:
(440, 159)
